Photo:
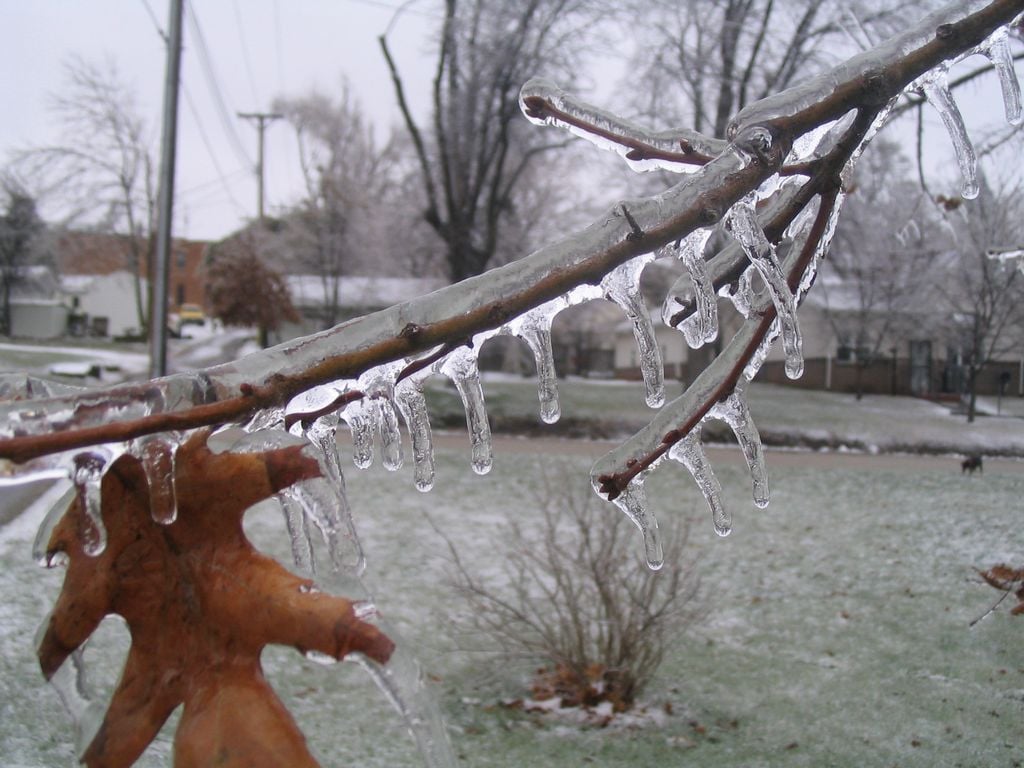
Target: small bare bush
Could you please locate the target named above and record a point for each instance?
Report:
(573, 592)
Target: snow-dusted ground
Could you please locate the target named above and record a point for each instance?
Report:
(838, 630)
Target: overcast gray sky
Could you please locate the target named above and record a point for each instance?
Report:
(258, 49)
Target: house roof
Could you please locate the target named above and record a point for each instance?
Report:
(361, 291)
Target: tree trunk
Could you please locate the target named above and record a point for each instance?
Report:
(972, 394)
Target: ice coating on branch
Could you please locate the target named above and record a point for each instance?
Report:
(413, 407)
(87, 475)
(701, 326)
(690, 453)
(735, 412)
(157, 457)
(742, 223)
(610, 132)
(997, 50)
(461, 367)
(935, 87)
(534, 328)
(622, 286)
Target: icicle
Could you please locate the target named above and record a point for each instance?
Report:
(633, 503)
(363, 419)
(379, 385)
(701, 327)
(87, 477)
(741, 294)
(401, 681)
(157, 458)
(535, 329)
(327, 503)
(60, 496)
(935, 87)
(298, 532)
(76, 694)
(326, 506)
(622, 286)
(390, 437)
(997, 50)
(690, 453)
(461, 367)
(413, 407)
(735, 412)
(742, 223)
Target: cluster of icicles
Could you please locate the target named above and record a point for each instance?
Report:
(379, 397)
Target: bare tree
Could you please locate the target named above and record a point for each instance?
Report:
(710, 58)
(346, 176)
(983, 297)
(572, 595)
(877, 283)
(102, 172)
(476, 152)
(20, 228)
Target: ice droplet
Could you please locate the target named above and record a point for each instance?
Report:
(622, 286)
(413, 407)
(735, 412)
(88, 477)
(935, 87)
(158, 459)
(690, 453)
(461, 367)
(742, 222)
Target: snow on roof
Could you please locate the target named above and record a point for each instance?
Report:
(361, 291)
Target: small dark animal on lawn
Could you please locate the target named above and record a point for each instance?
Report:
(970, 464)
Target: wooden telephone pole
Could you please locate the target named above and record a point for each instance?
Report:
(262, 119)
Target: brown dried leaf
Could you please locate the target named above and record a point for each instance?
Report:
(201, 603)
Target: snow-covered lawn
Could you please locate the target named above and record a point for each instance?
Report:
(838, 630)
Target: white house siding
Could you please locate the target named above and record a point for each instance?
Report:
(38, 318)
(111, 296)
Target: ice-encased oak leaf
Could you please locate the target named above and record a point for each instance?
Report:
(201, 603)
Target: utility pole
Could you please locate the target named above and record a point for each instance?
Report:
(159, 273)
(262, 119)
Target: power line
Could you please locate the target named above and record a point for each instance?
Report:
(245, 52)
(210, 151)
(155, 20)
(206, 65)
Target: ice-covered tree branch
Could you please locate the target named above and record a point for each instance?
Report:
(760, 138)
